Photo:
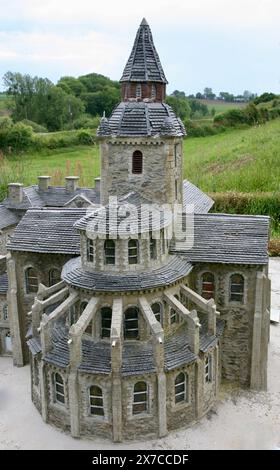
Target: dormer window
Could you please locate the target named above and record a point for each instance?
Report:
(137, 162)
(138, 91)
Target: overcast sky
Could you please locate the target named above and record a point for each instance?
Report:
(229, 45)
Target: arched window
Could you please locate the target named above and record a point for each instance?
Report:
(153, 248)
(208, 286)
(90, 250)
(236, 288)
(54, 277)
(31, 281)
(157, 310)
(59, 393)
(153, 92)
(96, 401)
(5, 312)
(131, 323)
(208, 368)
(109, 251)
(106, 320)
(140, 398)
(181, 388)
(138, 90)
(137, 162)
(133, 251)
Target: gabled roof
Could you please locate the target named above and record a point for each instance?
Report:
(8, 218)
(143, 64)
(227, 239)
(193, 195)
(48, 231)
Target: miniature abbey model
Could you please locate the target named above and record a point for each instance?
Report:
(130, 334)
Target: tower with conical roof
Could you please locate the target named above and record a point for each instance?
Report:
(141, 142)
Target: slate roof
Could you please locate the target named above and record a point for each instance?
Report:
(176, 350)
(135, 209)
(4, 283)
(193, 195)
(224, 238)
(131, 118)
(100, 281)
(48, 231)
(137, 356)
(8, 218)
(143, 64)
(55, 196)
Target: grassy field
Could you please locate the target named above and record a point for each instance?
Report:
(221, 106)
(238, 160)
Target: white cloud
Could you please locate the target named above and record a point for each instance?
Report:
(81, 53)
(119, 14)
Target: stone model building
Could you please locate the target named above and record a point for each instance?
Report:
(131, 333)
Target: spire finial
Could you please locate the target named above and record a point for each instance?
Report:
(144, 22)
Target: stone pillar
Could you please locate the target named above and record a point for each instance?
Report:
(256, 382)
(217, 365)
(15, 191)
(193, 333)
(116, 364)
(18, 353)
(199, 381)
(74, 403)
(43, 392)
(162, 419)
(211, 317)
(117, 407)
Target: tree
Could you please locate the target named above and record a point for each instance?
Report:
(208, 93)
(199, 96)
(228, 97)
(72, 85)
(101, 101)
(180, 106)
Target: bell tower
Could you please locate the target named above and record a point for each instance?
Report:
(141, 142)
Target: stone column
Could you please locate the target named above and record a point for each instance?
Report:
(18, 353)
(162, 419)
(199, 377)
(256, 382)
(43, 392)
(74, 403)
(116, 364)
(117, 407)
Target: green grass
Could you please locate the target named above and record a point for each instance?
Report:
(238, 160)
(79, 160)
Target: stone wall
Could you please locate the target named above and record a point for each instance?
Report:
(237, 338)
(4, 237)
(160, 169)
(4, 326)
(180, 414)
(43, 263)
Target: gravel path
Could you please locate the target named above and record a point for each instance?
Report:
(241, 419)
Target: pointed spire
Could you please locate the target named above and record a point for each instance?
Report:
(104, 127)
(144, 22)
(143, 64)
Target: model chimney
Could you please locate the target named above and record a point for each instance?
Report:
(15, 193)
(43, 182)
(71, 183)
(97, 182)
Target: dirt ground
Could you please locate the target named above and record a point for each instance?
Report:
(240, 420)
